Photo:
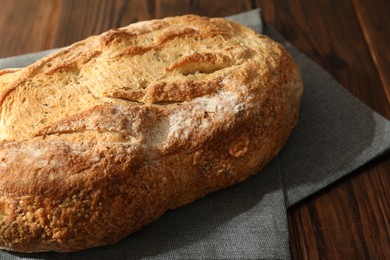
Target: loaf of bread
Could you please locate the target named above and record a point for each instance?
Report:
(102, 137)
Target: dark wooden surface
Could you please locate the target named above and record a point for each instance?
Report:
(349, 38)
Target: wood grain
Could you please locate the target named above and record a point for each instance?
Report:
(374, 17)
(216, 8)
(329, 32)
(24, 26)
(348, 220)
(349, 38)
(78, 19)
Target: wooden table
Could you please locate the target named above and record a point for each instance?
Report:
(349, 38)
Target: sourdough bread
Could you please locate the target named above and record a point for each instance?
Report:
(102, 137)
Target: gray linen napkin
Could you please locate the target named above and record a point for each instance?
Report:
(335, 135)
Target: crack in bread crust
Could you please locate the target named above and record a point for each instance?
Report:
(102, 137)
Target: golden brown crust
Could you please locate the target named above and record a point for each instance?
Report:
(102, 137)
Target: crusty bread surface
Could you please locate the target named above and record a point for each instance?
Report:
(102, 137)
